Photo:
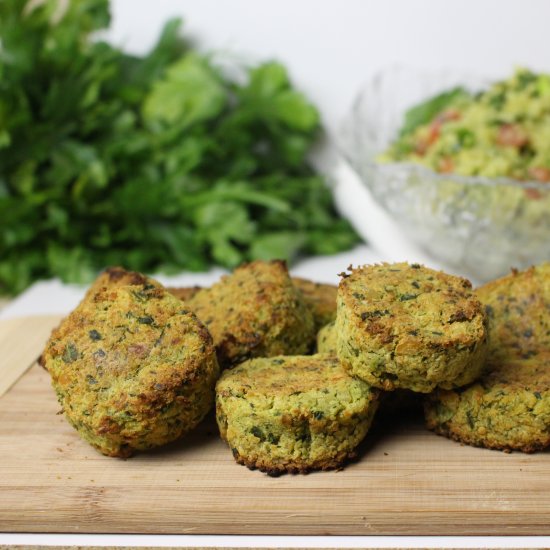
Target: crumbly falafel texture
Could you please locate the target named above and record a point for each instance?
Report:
(293, 414)
(508, 408)
(410, 327)
(518, 310)
(392, 403)
(255, 312)
(320, 298)
(132, 367)
(327, 339)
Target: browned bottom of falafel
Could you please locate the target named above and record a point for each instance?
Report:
(293, 413)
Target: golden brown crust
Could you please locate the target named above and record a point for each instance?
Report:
(320, 298)
(295, 467)
(133, 368)
(495, 414)
(255, 312)
(293, 414)
(518, 308)
(509, 407)
(483, 444)
(118, 276)
(411, 327)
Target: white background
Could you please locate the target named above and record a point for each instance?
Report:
(332, 46)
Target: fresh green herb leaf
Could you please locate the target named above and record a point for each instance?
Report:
(158, 162)
(426, 111)
(70, 355)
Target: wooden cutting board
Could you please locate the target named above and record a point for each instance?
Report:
(408, 481)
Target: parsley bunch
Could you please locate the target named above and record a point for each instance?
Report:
(158, 162)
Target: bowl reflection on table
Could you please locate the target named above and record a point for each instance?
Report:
(479, 226)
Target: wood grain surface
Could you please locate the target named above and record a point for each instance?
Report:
(21, 342)
(407, 481)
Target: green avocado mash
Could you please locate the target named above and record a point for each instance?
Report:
(501, 132)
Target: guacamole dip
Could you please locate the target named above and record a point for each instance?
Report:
(501, 132)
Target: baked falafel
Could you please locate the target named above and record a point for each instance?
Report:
(320, 298)
(327, 339)
(293, 414)
(392, 403)
(508, 408)
(518, 311)
(255, 312)
(118, 276)
(132, 367)
(411, 327)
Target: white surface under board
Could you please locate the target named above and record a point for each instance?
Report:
(53, 297)
(217, 541)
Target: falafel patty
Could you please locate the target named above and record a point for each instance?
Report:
(408, 326)
(118, 276)
(509, 407)
(293, 414)
(255, 312)
(518, 310)
(320, 298)
(132, 367)
(327, 339)
(392, 403)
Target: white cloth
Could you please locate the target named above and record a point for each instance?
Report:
(54, 297)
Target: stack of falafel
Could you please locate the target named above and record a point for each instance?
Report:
(137, 365)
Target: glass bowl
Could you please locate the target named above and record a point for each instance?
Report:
(477, 226)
